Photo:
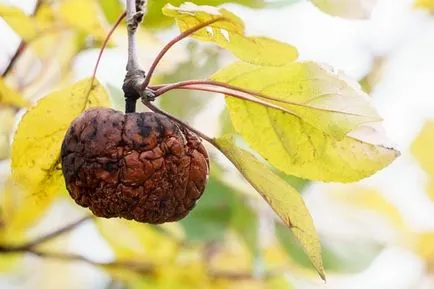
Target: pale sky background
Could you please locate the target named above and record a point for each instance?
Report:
(404, 98)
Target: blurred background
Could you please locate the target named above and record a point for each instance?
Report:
(377, 233)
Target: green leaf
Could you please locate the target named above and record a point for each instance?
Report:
(353, 9)
(156, 19)
(210, 218)
(36, 145)
(221, 208)
(229, 33)
(311, 122)
(350, 258)
(285, 200)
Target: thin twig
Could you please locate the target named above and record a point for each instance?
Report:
(206, 86)
(170, 44)
(57, 233)
(137, 267)
(104, 45)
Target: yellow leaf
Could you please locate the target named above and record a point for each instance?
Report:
(424, 248)
(422, 147)
(354, 9)
(424, 4)
(27, 27)
(284, 199)
(136, 241)
(229, 33)
(84, 15)
(9, 96)
(37, 142)
(19, 213)
(370, 199)
(317, 125)
(7, 120)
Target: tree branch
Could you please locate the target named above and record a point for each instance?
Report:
(38, 241)
(58, 232)
(135, 75)
(134, 17)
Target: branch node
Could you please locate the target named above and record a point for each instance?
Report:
(133, 81)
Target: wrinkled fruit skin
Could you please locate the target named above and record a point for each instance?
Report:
(140, 166)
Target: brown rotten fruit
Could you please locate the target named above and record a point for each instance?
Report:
(140, 166)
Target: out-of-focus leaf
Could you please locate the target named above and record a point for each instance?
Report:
(229, 33)
(36, 145)
(9, 96)
(424, 4)
(422, 150)
(285, 200)
(422, 147)
(319, 126)
(18, 212)
(112, 9)
(138, 242)
(372, 200)
(277, 283)
(357, 258)
(210, 219)
(221, 208)
(156, 19)
(7, 119)
(84, 15)
(425, 249)
(27, 27)
(354, 9)
(200, 64)
(370, 80)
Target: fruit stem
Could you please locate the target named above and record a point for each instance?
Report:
(166, 48)
(157, 110)
(106, 40)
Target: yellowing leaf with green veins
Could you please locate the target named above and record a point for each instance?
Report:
(9, 96)
(155, 19)
(37, 142)
(84, 15)
(354, 9)
(229, 33)
(310, 121)
(284, 199)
